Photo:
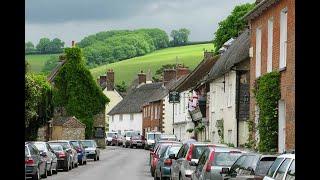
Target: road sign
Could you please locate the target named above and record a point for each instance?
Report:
(174, 97)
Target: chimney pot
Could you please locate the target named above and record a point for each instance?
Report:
(110, 80)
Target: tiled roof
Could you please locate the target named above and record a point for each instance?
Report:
(236, 53)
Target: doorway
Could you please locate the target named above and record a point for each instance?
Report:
(282, 126)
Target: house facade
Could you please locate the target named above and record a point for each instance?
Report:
(272, 29)
(152, 115)
(229, 93)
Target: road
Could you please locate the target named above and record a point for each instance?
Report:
(115, 163)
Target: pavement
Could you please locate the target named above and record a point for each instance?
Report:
(115, 163)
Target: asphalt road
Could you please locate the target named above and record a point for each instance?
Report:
(115, 163)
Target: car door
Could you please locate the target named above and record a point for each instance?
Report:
(275, 165)
(198, 174)
(36, 156)
(176, 163)
(280, 173)
(291, 171)
(234, 170)
(52, 154)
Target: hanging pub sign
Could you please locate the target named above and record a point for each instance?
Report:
(196, 114)
(174, 97)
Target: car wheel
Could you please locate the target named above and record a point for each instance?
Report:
(180, 177)
(50, 171)
(67, 167)
(95, 158)
(36, 176)
(98, 158)
(81, 162)
(85, 162)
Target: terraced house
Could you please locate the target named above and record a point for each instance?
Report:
(272, 29)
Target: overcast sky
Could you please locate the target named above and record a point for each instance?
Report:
(74, 19)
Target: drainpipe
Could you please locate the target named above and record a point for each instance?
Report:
(237, 103)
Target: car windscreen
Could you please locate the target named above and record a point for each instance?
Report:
(264, 165)
(88, 143)
(40, 146)
(110, 134)
(153, 136)
(197, 151)
(64, 145)
(75, 143)
(56, 147)
(225, 158)
(172, 150)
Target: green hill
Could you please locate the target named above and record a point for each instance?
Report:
(127, 70)
(37, 61)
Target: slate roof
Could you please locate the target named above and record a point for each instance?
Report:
(236, 53)
(197, 74)
(259, 8)
(134, 100)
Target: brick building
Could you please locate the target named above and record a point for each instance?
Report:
(272, 28)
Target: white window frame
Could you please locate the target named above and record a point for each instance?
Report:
(156, 112)
(283, 38)
(229, 95)
(258, 51)
(270, 44)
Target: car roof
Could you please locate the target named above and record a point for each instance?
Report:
(224, 149)
(58, 141)
(292, 156)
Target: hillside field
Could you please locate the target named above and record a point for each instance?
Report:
(37, 61)
(127, 70)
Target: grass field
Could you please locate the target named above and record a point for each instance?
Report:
(37, 61)
(127, 70)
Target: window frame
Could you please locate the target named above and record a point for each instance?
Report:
(120, 117)
(270, 45)
(258, 51)
(283, 38)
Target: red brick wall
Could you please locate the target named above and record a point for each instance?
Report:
(287, 75)
(147, 122)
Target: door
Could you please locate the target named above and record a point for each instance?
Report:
(177, 163)
(282, 126)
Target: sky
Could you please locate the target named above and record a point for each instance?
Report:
(75, 19)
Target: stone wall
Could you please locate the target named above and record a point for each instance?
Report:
(100, 121)
(70, 133)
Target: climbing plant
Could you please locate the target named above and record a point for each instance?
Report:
(219, 125)
(251, 142)
(76, 90)
(267, 94)
(190, 130)
(199, 128)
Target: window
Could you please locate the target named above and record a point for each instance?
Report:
(270, 45)
(152, 115)
(203, 158)
(225, 158)
(282, 169)
(264, 165)
(274, 167)
(156, 112)
(237, 165)
(248, 165)
(258, 52)
(112, 118)
(197, 151)
(283, 38)
(180, 153)
(120, 117)
(291, 171)
(131, 116)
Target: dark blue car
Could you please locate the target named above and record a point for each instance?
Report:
(79, 147)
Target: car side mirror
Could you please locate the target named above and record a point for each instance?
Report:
(224, 171)
(172, 156)
(193, 163)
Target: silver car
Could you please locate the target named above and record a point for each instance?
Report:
(70, 149)
(212, 161)
(190, 151)
(92, 149)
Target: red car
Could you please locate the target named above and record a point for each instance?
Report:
(154, 155)
(137, 141)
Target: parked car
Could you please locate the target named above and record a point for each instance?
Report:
(92, 150)
(250, 166)
(82, 158)
(150, 139)
(137, 141)
(109, 136)
(191, 151)
(70, 149)
(156, 155)
(49, 155)
(168, 137)
(212, 161)
(118, 140)
(154, 149)
(127, 137)
(282, 168)
(64, 158)
(35, 164)
(163, 166)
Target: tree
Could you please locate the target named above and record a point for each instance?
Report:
(231, 26)
(29, 47)
(43, 45)
(56, 46)
(77, 91)
(158, 75)
(180, 37)
(122, 87)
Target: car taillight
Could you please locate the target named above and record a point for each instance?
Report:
(189, 155)
(29, 161)
(62, 155)
(209, 163)
(168, 162)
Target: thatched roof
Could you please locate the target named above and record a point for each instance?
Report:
(261, 6)
(133, 102)
(236, 53)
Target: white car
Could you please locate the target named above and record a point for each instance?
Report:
(150, 139)
(283, 168)
(109, 136)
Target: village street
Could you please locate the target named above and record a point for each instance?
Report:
(115, 163)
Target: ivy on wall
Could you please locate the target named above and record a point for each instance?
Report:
(77, 91)
(267, 94)
(220, 127)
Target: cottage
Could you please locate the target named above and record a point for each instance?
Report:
(272, 29)
(229, 81)
(67, 128)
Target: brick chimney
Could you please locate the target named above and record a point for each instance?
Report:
(72, 44)
(181, 71)
(142, 77)
(102, 81)
(110, 80)
(168, 75)
(207, 54)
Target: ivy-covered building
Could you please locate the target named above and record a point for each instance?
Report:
(272, 47)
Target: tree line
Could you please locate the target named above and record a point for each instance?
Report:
(45, 46)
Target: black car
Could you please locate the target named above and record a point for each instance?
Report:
(35, 164)
(250, 166)
(64, 158)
